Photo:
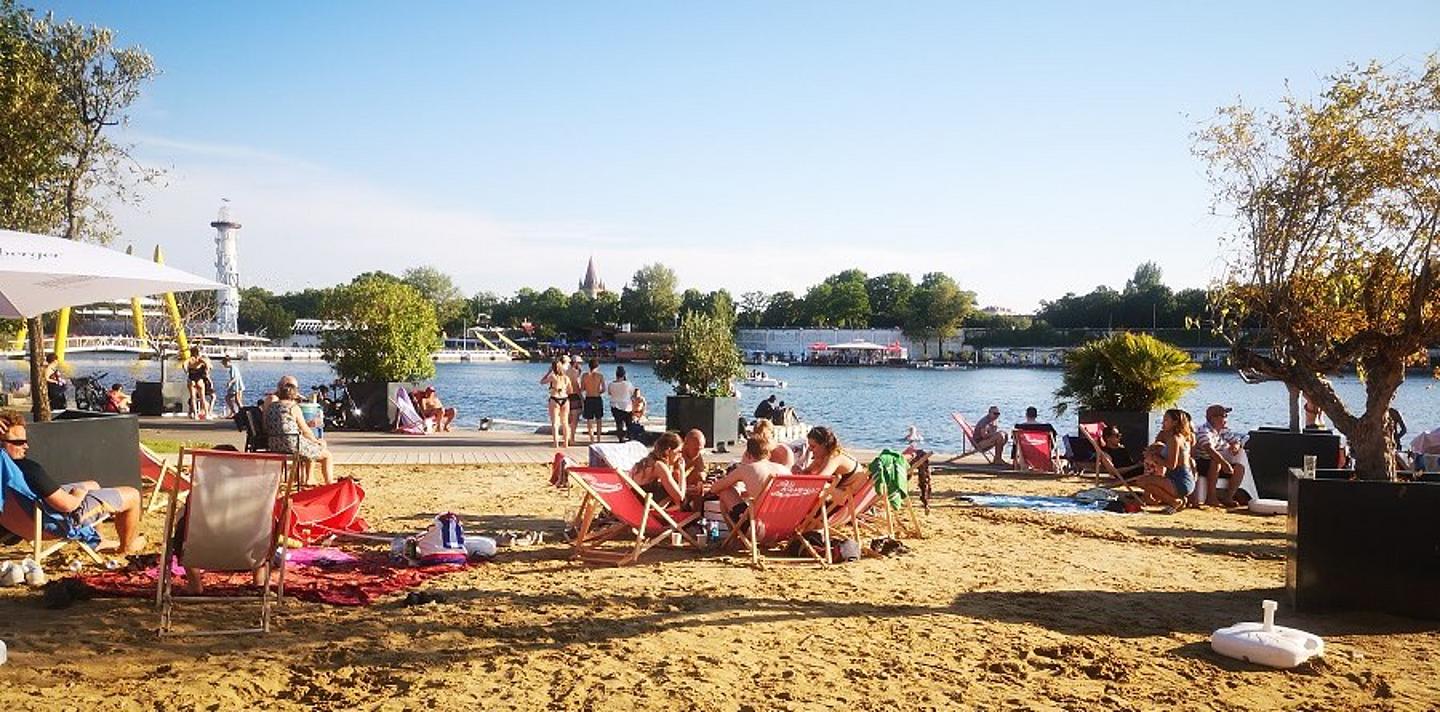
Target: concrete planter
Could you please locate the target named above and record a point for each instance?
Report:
(1364, 545)
(1273, 452)
(377, 409)
(82, 445)
(718, 418)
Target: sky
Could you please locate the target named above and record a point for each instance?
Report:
(1027, 149)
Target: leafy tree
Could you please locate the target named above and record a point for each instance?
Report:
(704, 360)
(783, 310)
(375, 274)
(261, 313)
(483, 307)
(1337, 200)
(35, 122)
(388, 333)
(721, 305)
(1147, 276)
(306, 303)
(752, 308)
(889, 296)
(937, 308)
(649, 301)
(1124, 371)
(440, 290)
(693, 300)
(815, 307)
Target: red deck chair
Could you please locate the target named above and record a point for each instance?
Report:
(968, 431)
(1094, 432)
(639, 520)
(1037, 451)
(318, 512)
(161, 476)
(779, 514)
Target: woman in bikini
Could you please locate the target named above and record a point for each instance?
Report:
(661, 472)
(197, 375)
(1176, 440)
(557, 387)
(828, 459)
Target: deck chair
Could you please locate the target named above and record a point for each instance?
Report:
(1094, 433)
(779, 514)
(251, 420)
(639, 522)
(1036, 451)
(161, 476)
(229, 525)
(48, 532)
(618, 456)
(968, 430)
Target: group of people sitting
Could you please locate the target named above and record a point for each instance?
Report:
(573, 394)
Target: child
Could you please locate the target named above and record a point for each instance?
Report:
(1154, 459)
(116, 401)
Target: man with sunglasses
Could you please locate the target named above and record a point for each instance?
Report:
(83, 502)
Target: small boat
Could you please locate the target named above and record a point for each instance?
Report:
(774, 362)
(763, 382)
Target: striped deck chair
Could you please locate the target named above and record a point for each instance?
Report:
(229, 525)
(779, 514)
(1037, 451)
(967, 445)
(639, 522)
(161, 477)
(1094, 433)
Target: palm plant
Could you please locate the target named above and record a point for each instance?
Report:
(1124, 371)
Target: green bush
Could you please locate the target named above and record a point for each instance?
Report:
(704, 359)
(387, 333)
(1124, 371)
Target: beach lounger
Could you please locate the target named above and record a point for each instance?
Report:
(25, 515)
(967, 445)
(639, 522)
(230, 524)
(1037, 451)
(779, 514)
(1094, 433)
(161, 477)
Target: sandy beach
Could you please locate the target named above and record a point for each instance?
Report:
(994, 609)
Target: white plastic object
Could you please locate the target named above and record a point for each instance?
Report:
(4, 655)
(1269, 506)
(479, 547)
(1265, 643)
(35, 576)
(11, 574)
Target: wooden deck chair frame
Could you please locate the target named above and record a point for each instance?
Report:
(43, 549)
(587, 540)
(967, 430)
(164, 596)
(1098, 426)
(169, 475)
(744, 530)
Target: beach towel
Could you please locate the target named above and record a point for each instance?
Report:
(407, 419)
(1053, 505)
(330, 576)
(318, 512)
(891, 470)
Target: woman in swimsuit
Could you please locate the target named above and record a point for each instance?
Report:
(828, 459)
(1176, 440)
(557, 386)
(197, 374)
(660, 472)
(777, 452)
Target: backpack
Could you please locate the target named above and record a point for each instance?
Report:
(443, 542)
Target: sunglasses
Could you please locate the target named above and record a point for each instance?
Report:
(21, 441)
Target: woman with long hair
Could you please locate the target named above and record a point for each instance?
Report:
(777, 452)
(197, 376)
(661, 472)
(1176, 440)
(557, 388)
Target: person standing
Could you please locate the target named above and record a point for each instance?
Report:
(620, 392)
(197, 375)
(592, 386)
(234, 388)
(557, 389)
(577, 399)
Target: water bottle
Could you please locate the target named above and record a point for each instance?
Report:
(712, 536)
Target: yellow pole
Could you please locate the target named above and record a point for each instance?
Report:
(62, 333)
(20, 338)
(136, 314)
(174, 311)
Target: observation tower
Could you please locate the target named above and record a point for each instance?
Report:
(227, 272)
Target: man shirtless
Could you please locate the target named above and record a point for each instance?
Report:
(738, 489)
(592, 385)
(694, 464)
(431, 407)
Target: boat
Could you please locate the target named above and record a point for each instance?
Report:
(763, 382)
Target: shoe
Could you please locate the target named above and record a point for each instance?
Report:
(11, 574)
(34, 575)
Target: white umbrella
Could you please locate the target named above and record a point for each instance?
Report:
(39, 274)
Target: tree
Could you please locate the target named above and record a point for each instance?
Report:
(752, 308)
(649, 300)
(261, 313)
(721, 305)
(693, 300)
(1337, 202)
(34, 124)
(889, 296)
(937, 308)
(783, 310)
(704, 360)
(387, 333)
(440, 290)
(1147, 276)
(195, 310)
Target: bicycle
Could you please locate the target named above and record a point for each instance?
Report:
(90, 391)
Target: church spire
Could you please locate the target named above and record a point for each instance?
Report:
(592, 285)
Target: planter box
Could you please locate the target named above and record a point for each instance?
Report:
(1134, 427)
(1364, 545)
(377, 409)
(156, 398)
(81, 445)
(1273, 452)
(718, 418)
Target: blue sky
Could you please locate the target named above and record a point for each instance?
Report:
(1027, 149)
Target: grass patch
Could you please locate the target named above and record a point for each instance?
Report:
(167, 446)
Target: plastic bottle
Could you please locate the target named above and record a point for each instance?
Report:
(712, 536)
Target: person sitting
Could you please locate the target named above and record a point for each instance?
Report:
(81, 502)
(116, 401)
(1176, 440)
(1223, 449)
(989, 436)
(766, 408)
(290, 433)
(661, 473)
(1114, 458)
(739, 487)
(1032, 423)
(273, 396)
(776, 451)
(429, 406)
(828, 459)
(693, 460)
(638, 406)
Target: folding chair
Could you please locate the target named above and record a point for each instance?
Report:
(617, 456)
(252, 420)
(779, 513)
(48, 532)
(969, 431)
(1036, 450)
(640, 523)
(161, 476)
(1094, 433)
(230, 524)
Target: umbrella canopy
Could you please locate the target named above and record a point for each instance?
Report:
(819, 346)
(39, 274)
(858, 346)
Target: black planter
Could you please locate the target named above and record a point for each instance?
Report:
(1273, 452)
(1134, 426)
(375, 401)
(81, 445)
(1364, 545)
(156, 398)
(718, 418)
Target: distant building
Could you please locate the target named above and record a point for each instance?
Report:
(591, 285)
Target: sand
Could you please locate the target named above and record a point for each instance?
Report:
(993, 610)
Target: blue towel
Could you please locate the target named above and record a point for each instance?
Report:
(55, 523)
(1054, 505)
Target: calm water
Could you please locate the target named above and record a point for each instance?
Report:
(869, 407)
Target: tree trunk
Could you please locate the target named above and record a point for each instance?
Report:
(1294, 407)
(39, 388)
(1371, 445)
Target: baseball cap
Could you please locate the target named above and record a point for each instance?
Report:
(1216, 409)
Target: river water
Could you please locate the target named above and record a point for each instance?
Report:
(869, 407)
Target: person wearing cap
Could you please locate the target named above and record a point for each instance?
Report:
(1224, 448)
(431, 407)
(989, 436)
